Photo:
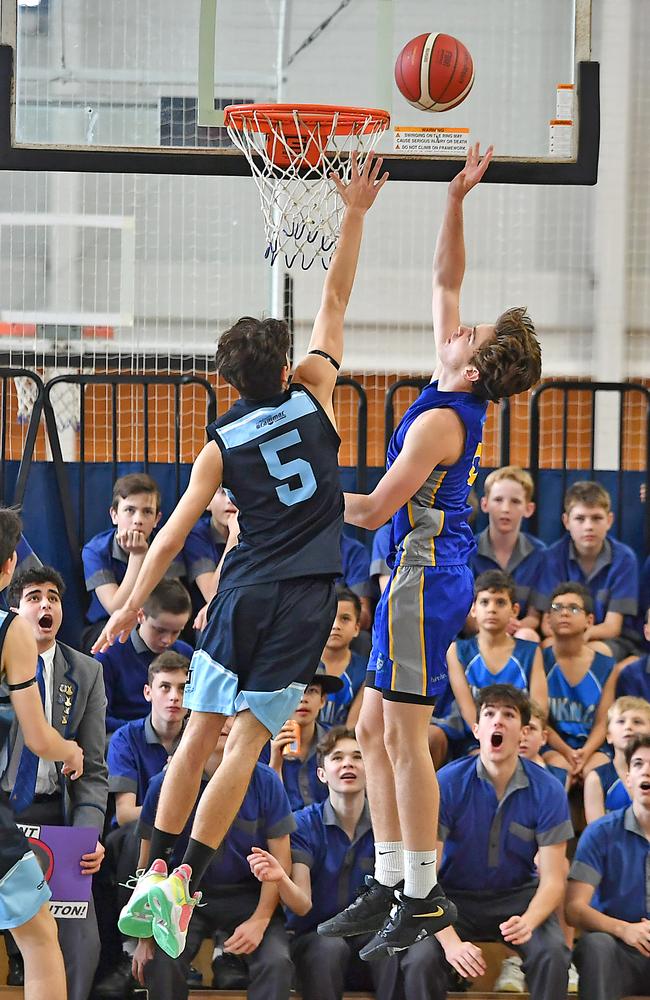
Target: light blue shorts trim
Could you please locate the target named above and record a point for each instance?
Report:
(23, 890)
(211, 687)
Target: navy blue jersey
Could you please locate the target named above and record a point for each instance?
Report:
(13, 844)
(431, 529)
(280, 461)
(7, 714)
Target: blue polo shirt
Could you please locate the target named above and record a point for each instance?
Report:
(490, 845)
(105, 561)
(356, 566)
(613, 855)
(572, 707)
(263, 815)
(337, 864)
(299, 777)
(380, 552)
(135, 755)
(335, 710)
(126, 667)
(613, 583)
(203, 548)
(634, 679)
(524, 566)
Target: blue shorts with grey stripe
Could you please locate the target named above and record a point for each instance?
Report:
(421, 612)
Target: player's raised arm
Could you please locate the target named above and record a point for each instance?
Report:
(449, 255)
(316, 371)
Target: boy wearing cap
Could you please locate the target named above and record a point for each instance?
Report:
(299, 769)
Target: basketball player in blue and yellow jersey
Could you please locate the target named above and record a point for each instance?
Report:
(276, 450)
(432, 463)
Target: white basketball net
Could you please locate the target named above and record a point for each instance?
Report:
(301, 207)
(66, 399)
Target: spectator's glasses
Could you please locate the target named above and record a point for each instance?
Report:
(557, 607)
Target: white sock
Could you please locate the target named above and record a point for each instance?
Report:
(389, 862)
(419, 873)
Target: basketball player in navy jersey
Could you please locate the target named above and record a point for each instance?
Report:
(276, 450)
(432, 463)
(24, 893)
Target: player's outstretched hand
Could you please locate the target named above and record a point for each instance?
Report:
(472, 172)
(363, 187)
(264, 866)
(119, 626)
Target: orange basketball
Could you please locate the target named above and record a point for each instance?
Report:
(434, 72)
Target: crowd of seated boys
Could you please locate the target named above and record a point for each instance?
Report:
(548, 696)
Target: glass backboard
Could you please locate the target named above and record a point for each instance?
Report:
(154, 76)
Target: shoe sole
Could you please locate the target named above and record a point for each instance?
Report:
(380, 949)
(329, 928)
(135, 926)
(166, 916)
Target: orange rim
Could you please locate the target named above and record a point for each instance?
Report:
(264, 117)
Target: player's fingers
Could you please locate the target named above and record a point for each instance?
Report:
(374, 166)
(382, 180)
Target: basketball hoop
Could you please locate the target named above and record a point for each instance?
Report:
(292, 150)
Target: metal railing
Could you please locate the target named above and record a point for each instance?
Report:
(591, 390)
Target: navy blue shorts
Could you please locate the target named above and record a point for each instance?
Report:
(260, 648)
(421, 612)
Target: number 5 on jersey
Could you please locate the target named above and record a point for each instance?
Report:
(286, 470)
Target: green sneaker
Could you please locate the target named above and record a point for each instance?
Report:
(136, 917)
(171, 909)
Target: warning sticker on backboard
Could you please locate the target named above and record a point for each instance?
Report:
(430, 140)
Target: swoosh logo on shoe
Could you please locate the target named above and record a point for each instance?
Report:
(438, 912)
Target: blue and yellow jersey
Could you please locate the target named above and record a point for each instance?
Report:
(432, 529)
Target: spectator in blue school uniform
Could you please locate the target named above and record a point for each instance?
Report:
(608, 891)
(126, 665)
(204, 547)
(356, 575)
(332, 854)
(233, 905)
(587, 554)
(508, 500)
(342, 707)
(504, 824)
(634, 678)
(605, 788)
(581, 682)
(295, 757)
(112, 559)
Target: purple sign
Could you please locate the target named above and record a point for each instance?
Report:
(58, 850)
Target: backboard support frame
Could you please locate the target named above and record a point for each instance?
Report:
(583, 170)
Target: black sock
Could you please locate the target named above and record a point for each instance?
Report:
(198, 856)
(162, 845)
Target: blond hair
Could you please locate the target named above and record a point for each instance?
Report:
(628, 703)
(537, 712)
(513, 473)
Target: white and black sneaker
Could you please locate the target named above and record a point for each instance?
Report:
(365, 915)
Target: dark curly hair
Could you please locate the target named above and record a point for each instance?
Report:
(252, 354)
(511, 361)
